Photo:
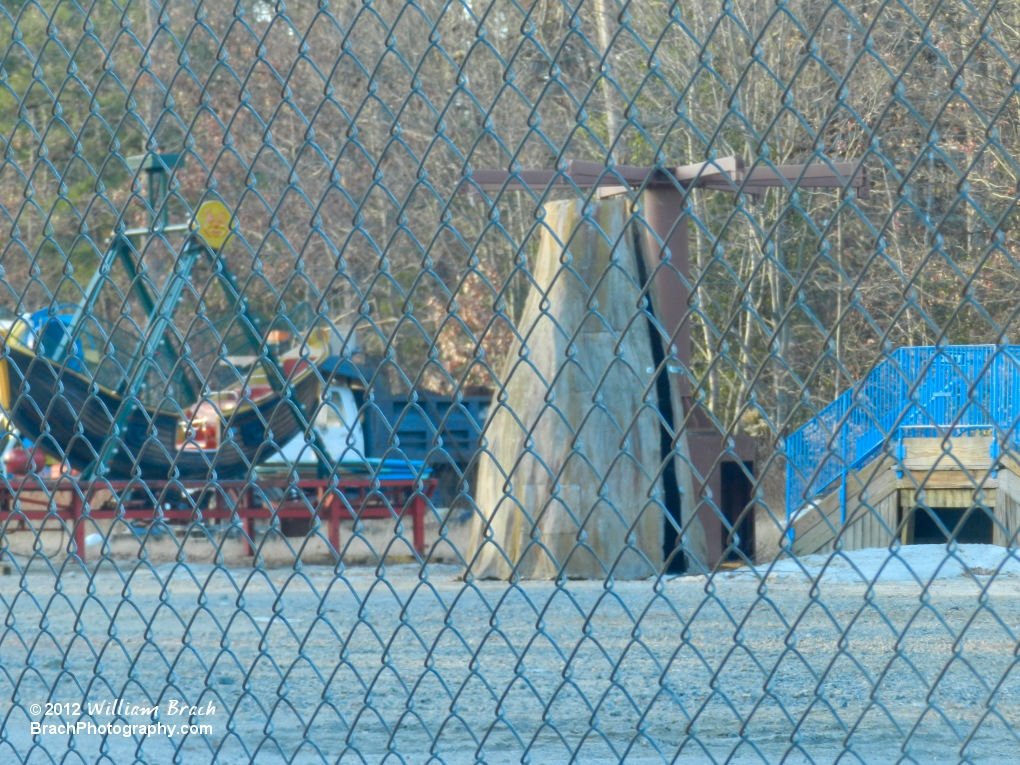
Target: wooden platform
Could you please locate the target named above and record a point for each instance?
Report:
(75, 502)
(881, 498)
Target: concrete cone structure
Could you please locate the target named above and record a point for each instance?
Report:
(572, 478)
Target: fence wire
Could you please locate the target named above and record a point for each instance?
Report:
(499, 381)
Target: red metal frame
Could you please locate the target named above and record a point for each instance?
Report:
(346, 499)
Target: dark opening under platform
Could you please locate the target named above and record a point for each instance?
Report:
(965, 525)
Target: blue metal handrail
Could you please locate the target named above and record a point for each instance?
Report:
(922, 391)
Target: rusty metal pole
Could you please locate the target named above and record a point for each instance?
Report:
(668, 268)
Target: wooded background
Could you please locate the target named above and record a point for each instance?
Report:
(339, 133)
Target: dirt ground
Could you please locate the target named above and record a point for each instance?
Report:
(357, 664)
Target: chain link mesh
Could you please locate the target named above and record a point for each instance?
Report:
(484, 381)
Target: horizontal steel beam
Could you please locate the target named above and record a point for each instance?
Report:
(723, 174)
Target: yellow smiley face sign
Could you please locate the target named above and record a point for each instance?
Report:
(213, 221)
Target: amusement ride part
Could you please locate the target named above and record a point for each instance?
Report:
(112, 404)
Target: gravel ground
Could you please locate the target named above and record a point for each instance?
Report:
(356, 665)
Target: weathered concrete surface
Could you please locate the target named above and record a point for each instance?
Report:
(571, 480)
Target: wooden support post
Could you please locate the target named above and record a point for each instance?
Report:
(842, 499)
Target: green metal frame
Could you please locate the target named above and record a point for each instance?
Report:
(160, 311)
(120, 249)
(160, 317)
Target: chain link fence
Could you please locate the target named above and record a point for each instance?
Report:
(485, 381)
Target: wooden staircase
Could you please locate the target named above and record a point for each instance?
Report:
(881, 498)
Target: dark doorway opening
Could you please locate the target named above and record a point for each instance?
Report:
(965, 524)
(736, 496)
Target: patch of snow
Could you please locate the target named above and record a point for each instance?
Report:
(910, 563)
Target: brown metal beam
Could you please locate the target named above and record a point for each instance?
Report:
(835, 176)
(581, 174)
(664, 208)
(723, 174)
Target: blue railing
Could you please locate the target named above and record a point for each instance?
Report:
(914, 392)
